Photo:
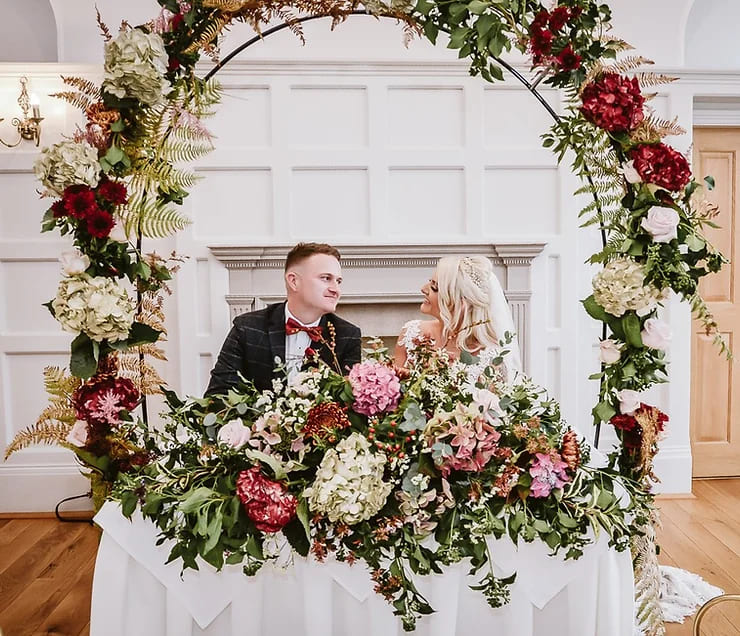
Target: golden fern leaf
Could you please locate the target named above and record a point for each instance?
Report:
(104, 31)
(143, 375)
(653, 79)
(83, 102)
(58, 383)
(48, 432)
(227, 6)
(58, 412)
(616, 44)
(620, 67)
(210, 33)
(85, 86)
(184, 151)
(158, 220)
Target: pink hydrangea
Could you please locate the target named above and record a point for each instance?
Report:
(547, 474)
(376, 388)
(474, 442)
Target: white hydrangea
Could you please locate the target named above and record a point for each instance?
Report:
(620, 287)
(67, 163)
(135, 65)
(97, 306)
(349, 484)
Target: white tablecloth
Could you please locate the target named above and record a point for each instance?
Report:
(135, 593)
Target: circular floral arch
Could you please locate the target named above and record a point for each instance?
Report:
(119, 181)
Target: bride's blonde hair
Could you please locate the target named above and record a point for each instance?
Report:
(464, 285)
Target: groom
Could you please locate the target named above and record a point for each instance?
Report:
(289, 330)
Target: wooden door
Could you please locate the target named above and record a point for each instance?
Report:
(715, 382)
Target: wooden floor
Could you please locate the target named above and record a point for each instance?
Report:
(46, 567)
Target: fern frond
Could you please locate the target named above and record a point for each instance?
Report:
(653, 127)
(58, 383)
(142, 374)
(47, 432)
(210, 33)
(85, 86)
(183, 151)
(653, 79)
(227, 6)
(104, 31)
(78, 100)
(616, 44)
(58, 412)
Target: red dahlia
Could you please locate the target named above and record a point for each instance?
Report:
(100, 223)
(324, 420)
(558, 18)
(57, 209)
(613, 103)
(568, 60)
(103, 397)
(541, 43)
(79, 201)
(662, 165)
(112, 191)
(623, 422)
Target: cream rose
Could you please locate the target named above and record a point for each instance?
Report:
(609, 352)
(234, 434)
(629, 401)
(630, 173)
(656, 334)
(661, 224)
(74, 262)
(77, 435)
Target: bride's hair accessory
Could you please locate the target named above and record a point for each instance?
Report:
(468, 267)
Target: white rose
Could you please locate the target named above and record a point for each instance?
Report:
(629, 401)
(630, 173)
(118, 233)
(234, 434)
(656, 334)
(74, 262)
(609, 352)
(77, 435)
(661, 224)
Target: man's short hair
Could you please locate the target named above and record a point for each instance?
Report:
(303, 250)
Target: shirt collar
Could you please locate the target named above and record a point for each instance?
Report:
(289, 315)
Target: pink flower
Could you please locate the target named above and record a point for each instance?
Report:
(547, 474)
(656, 334)
(234, 434)
(103, 397)
(376, 388)
(77, 435)
(267, 503)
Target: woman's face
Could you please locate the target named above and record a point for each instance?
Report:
(430, 305)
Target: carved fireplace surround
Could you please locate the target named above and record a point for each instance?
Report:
(381, 284)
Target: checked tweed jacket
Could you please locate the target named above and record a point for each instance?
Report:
(257, 337)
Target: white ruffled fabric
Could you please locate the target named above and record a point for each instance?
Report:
(682, 592)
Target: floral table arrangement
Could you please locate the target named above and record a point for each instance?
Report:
(406, 474)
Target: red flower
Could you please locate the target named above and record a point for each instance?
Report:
(568, 60)
(102, 398)
(79, 201)
(267, 503)
(540, 43)
(112, 191)
(540, 21)
(173, 63)
(613, 103)
(57, 209)
(176, 21)
(662, 165)
(623, 422)
(558, 18)
(100, 223)
(324, 420)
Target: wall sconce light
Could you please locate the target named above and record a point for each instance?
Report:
(29, 127)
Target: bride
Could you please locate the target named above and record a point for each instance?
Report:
(469, 313)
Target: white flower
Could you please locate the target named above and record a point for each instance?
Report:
(135, 65)
(629, 401)
(620, 287)
(96, 306)
(486, 400)
(609, 352)
(630, 173)
(67, 163)
(349, 484)
(118, 233)
(77, 435)
(656, 334)
(74, 262)
(661, 224)
(234, 434)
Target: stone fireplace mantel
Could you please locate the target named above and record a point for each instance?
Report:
(380, 291)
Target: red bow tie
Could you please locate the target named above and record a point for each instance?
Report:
(293, 326)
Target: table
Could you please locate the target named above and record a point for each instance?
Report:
(135, 593)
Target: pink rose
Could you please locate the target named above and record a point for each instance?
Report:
(234, 434)
(629, 401)
(77, 435)
(656, 334)
(630, 173)
(609, 352)
(661, 224)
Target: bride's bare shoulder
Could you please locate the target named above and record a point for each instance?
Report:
(428, 327)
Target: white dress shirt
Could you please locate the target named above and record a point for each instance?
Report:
(296, 345)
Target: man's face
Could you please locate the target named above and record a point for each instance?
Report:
(315, 283)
